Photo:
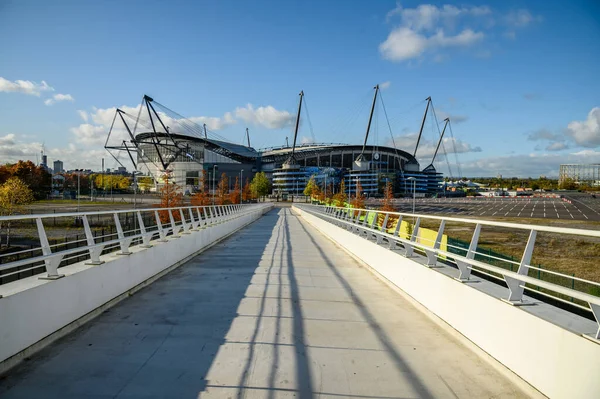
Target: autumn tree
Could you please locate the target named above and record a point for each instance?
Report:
(341, 197)
(170, 197)
(358, 201)
(329, 194)
(387, 205)
(260, 185)
(247, 191)
(145, 183)
(235, 195)
(202, 197)
(311, 186)
(222, 190)
(14, 194)
(35, 177)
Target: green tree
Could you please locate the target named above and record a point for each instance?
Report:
(144, 183)
(310, 187)
(260, 185)
(14, 194)
(567, 184)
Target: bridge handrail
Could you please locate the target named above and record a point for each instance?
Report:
(191, 218)
(515, 281)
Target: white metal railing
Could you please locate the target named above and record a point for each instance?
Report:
(357, 221)
(149, 224)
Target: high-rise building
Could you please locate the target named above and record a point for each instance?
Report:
(58, 167)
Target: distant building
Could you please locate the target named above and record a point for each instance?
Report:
(122, 170)
(58, 167)
(580, 173)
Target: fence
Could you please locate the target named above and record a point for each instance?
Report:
(47, 242)
(517, 275)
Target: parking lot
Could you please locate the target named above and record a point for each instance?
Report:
(585, 208)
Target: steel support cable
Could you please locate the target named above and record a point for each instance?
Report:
(341, 123)
(440, 134)
(312, 133)
(390, 129)
(407, 110)
(460, 175)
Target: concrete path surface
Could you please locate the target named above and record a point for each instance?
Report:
(275, 311)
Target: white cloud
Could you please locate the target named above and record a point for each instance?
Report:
(427, 147)
(7, 140)
(24, 86)
(586, 133)
(385, 85)
(521, 18)
(59, 97)
(267, 117)
(402, 44)
(454, 118)
(557, 146)
(90, 134)
(435, 29)
(215, 123)
(526, 165)
(83, 114)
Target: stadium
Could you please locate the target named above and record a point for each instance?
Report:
(168, 141)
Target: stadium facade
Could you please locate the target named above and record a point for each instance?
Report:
(328, 163)
(168, 141)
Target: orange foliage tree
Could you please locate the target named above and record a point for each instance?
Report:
(170, 197)
(222, 190)
(358, 202)
(202, 198)
(35, 177)
(387, 205)
(329, 194)
(341, 197)
(247, 192)
(234, 196)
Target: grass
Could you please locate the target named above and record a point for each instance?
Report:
(571, 255)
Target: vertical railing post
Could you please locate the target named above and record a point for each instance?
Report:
(432, 253)
(145, 235)
(184, 224)
(193, 219)
(413, 238)
(174, 228)
(516, 287)
(212, 216)
(396, 232)
(463, 267)
(124, 242)
(202, 221)
(95, 251)
(51, 262)
(161, 231)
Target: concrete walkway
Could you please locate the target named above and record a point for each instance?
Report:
(275, 311)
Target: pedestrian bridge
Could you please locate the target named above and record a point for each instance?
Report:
(266, 302)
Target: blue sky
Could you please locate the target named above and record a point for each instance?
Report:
(519, 80)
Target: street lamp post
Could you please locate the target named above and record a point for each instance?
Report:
(241, 183)
(214, 184)
(414, 190)
(78, 178)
